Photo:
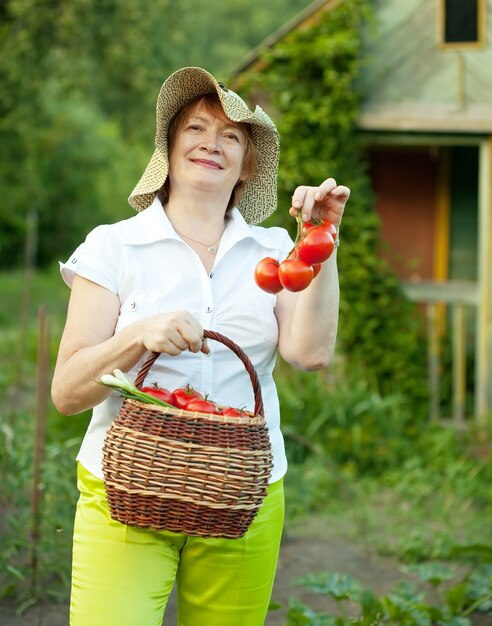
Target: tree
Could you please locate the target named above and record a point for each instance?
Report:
(80, 81)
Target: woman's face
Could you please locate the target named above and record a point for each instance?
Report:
(207, 152)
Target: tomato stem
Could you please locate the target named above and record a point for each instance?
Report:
(298, 234)
(299, 227)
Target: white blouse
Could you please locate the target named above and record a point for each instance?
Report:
(146, 264)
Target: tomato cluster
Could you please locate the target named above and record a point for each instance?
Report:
(314, 244)
(189, 399)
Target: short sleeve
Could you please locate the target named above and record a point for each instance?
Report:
(285, 244)
(276, 240)
(97, 259)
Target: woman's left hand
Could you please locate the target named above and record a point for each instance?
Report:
(326, 201)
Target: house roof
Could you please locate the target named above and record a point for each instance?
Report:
(302, 20)
(412, 83)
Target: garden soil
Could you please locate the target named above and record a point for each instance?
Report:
(304, 551)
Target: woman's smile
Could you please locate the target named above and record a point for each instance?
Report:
(207, 163)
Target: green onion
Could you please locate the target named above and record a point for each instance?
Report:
(121, 381)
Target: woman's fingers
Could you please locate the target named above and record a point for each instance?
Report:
(327, 200)
(326, 187)
(173, 333)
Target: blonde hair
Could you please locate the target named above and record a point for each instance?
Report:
(211, 103)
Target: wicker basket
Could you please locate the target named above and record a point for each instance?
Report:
(200, 474)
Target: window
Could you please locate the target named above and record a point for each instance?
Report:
(461, 22)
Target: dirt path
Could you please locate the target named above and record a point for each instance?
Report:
(300, 554)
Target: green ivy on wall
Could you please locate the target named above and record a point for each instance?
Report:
(312, 79)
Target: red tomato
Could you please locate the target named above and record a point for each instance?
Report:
(331, 228)
(184, 395)
(325, 223)
(295, 275)
(202, 406)
(229, 410)
(316, 245)
(159, 392)
(266, 275)
(316, 268)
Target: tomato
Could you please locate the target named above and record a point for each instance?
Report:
(324, 223)
(266, 275)
(316, 268)
(316, 245)
(295, 275)
(184, 395)
(200, 405)
(229, 410)
(159, 392)
(331, 228)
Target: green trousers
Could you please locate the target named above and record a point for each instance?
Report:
(122, 576)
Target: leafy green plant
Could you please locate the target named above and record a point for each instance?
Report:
(406, 605)
(339, 417)
(34, 549)
(34, 558)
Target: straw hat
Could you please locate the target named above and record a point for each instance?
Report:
(259, 198)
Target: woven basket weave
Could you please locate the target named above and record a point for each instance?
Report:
(200, 474)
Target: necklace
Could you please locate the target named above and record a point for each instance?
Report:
(211, 247)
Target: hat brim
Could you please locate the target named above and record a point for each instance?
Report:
(259, 198)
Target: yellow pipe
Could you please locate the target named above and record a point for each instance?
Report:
(442, 231)
(483, 401)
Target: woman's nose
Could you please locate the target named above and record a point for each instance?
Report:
(211, 142)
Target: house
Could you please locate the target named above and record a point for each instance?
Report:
(427, 124)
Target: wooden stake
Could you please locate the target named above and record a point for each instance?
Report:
(39, 438)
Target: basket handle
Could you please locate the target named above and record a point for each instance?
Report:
(210, 334)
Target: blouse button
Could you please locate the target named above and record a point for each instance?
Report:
(133, 304)
(74, 260)
(209, 309)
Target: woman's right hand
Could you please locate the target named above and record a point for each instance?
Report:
(90, 348)
(173, 333)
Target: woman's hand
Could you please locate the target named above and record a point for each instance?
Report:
(90, 348)
(172, 333)
(326, 201)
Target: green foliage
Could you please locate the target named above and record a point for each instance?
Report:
(338, 416)
(34, 558)
(343, 419)
(312, 79)
(405, 605)
(34, 551)
(79, 85)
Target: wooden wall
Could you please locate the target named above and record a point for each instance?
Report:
(415, 83)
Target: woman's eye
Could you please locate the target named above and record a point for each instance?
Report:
(232, 136)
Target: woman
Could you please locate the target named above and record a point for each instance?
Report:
(153, 282)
